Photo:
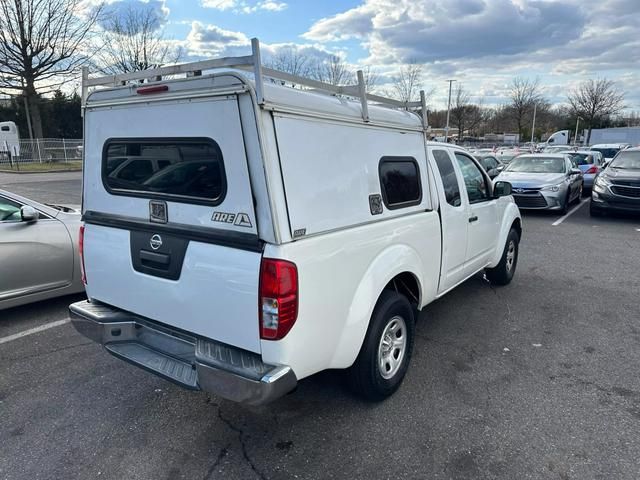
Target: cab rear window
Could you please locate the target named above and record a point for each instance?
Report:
(183, 170)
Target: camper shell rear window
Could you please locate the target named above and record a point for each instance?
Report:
(188, 170)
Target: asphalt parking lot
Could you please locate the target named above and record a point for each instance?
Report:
(535, 380)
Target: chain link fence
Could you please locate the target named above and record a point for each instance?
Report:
(41, 150)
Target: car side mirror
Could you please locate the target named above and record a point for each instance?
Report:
(501, 189)
(575, 171)
(28, 214)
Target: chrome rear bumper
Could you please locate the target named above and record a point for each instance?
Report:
(191, 362)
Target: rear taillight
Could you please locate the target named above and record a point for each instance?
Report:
(592, 169)
(278, 298)
(81, 252)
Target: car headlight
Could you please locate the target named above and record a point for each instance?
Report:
(602, 181)
(552, 188)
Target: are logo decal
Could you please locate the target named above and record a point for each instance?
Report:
(237, 219)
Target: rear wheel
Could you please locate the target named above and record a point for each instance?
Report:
(386, 351)
(580, 193)
(502, 273)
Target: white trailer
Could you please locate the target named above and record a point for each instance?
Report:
(9, 140)
(630, 135)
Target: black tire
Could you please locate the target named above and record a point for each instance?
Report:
(594, 211)
(365, 375)
(502, 274)
(580, 194)
(565, 206)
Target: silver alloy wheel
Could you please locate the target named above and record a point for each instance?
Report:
(511, 255)
(392, 347)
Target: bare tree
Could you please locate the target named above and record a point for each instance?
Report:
(291, 61)
(408, 83)
(40, 41)
(134, 41)
(594, 99)
(333, 71)
(461, 103)
(371, 78)
(524, 94)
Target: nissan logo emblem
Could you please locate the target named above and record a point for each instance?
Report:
(156, 241)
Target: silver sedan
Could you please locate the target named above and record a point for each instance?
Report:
(544, 181)
(38, 251)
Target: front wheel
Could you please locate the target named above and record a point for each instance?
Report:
(386, 351)
(503, 273)
(565, 205)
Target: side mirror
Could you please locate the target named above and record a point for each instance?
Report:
(575, 171)
(501, 189)
(28, 214)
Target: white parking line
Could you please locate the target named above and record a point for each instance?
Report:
(570, 212)
(31, 331)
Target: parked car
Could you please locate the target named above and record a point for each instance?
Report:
(544, 181)
(588, 161)
(558, 148)
(38, 251)
(617, 188)
(609, 150)
(324, 225)
(490, 163)
(506, 155)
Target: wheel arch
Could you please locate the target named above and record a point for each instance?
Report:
(510, 219)
(395, 268)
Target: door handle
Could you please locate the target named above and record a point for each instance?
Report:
(473, 219)
(160, 259)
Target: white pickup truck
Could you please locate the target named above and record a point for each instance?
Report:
(261, 233)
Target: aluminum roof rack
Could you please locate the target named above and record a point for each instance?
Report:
(253, 63)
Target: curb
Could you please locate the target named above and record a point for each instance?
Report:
(40, 171)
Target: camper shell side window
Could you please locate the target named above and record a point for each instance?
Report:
(400, 182)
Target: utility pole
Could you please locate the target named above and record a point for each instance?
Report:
(446, 129)
(533, 127)
(575, 138)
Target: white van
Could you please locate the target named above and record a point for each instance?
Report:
(293, 232)
(9, 140)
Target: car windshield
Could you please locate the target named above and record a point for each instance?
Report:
(627, 160)
(607, 152)
(536, 165)
(581, 158)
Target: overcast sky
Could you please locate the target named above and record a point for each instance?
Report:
(481, 43)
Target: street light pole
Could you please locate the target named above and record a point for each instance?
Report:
(446, 129)
(575, 138)
(533, 127)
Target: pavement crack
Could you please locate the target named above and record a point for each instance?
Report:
(221, 454)
(243, 445)
(48, 352)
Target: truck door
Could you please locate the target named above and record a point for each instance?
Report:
(482, 216)
(454, 218)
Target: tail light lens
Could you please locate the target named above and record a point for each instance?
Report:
(81, 251)
(592, 169)
(278, 298)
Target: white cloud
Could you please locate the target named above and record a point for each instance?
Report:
(219, 4)
(243, 6)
